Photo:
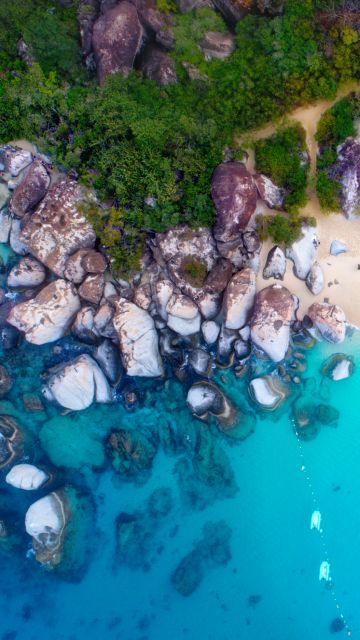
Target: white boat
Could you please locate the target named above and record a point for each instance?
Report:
(324, 573)
(315, 522)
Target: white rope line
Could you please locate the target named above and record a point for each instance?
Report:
(315, 501)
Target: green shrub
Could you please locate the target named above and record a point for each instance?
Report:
(194, 271)
(280, 158)
(328, 192)
(281, 228)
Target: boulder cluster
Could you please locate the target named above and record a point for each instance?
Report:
(118, 36)
(193, 305)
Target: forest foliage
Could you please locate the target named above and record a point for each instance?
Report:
(150, 151)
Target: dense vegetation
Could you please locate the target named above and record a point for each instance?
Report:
(149, 150)
(335, 125)
(283, 158)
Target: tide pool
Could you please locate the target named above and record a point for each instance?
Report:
(270, 587)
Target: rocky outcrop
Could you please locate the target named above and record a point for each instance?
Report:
(14, 159)
(77, 384)
(138, 340)
(329, 320)
(45, 522)
(347, 171)
(116, 40)
(31, 189)
(338, 367)
(234, 195)
(275, 266)
(183, 315)
(27, 477)
(158, 66)
(217, 45)
(271, 320)
(272, 195)
(82, 262)
(239, 299)
(46, 317)
(27, 273)
(92, 288)
(58, 228)
(315, 279)
(87, 13)
(11, 441)
(303, 252)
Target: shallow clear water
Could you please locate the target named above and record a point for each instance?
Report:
(274, 553)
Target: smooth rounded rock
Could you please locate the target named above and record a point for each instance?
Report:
(27, 477)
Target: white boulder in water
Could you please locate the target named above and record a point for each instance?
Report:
(26, 476)
(46, 317)
(267, 392)
(45, 519)
(77, 384)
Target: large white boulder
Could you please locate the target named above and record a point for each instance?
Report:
(239, 298)
(26, 476)
(138, 340)
(45, 519)
(183, 315)
(77, 384)
(46, 317)
(58, 227)
(303, 252)
(271, 320)
(27, 273)
(329, 320)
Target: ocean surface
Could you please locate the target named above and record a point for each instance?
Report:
(268, 589)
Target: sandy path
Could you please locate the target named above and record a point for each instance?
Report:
(342, 276)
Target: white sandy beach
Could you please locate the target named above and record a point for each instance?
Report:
(341, 273)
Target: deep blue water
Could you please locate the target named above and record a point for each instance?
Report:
(268, 505)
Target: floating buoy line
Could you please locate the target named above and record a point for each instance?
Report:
(316, 524)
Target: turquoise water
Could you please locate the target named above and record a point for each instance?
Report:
(267, 502)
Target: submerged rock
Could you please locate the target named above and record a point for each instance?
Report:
(271, 320)
(6, 382)
(11, 441)
(211, 551)
(268, 392)
(138, 340)
(132, 452)
(275, 266)
(27, 477)
(77, 384)
(329, 319)
(338, 367)
(47, 317)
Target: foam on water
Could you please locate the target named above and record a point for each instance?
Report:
(275, 555)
